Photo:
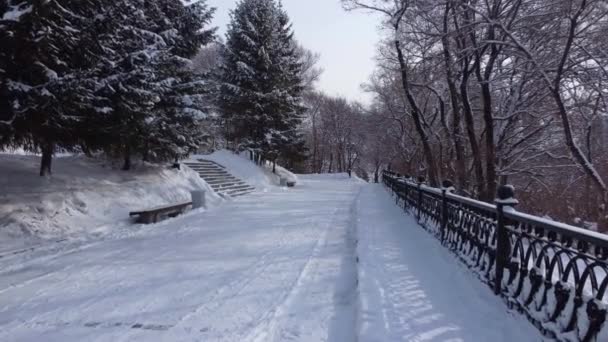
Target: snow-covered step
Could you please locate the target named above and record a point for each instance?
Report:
(211, 180)
(206, 166)
(223, 181)
(216, 175)
(236, 187)
(237, 193)
(213, 173)
(209, 169)
(229, 187)
(220, 180)
(222, 185)
(225, 184)
(209, 162)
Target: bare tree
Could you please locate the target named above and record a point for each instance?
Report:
(498, 91)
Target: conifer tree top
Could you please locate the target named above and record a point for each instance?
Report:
(262, 77)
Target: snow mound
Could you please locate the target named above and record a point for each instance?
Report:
(84, 196)
(284, 173)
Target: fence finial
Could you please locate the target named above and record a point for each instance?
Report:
(506, 196)
(448, 186)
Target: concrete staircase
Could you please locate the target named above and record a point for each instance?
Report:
(219, 179)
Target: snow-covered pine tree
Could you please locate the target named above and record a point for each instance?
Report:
(147, 77)
(180, 125)
(40, 71)
(261, 81)
(7, 41)
(101, 75)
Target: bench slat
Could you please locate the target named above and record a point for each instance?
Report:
(161, 209)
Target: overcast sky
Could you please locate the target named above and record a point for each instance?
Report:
(345, 40)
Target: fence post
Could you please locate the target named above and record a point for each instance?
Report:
(419, 212)
(448, 186)
(505, 199)
(396, 191)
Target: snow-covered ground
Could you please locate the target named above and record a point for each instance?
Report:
(84, 198)
(413, 289)
(276, 265)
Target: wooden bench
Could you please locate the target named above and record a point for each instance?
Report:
(152, 215)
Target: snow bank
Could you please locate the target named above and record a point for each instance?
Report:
(83, 196)
(282, 172)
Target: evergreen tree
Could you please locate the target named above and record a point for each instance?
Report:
(107, 75)
(184, 107)
(42, 72)
(7, 41)
(261, 81)
(147, 77)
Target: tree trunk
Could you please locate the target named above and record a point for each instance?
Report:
(274, 166)
(428, 152)
(46, 161)
(470, 125)
(86, 150)
(126, 166)
(461, 175)
(488, 119)
(484, 80)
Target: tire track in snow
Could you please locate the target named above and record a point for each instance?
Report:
(271, 326)
(236, 286)
(268, 322)
(82, 307)
(287, 318)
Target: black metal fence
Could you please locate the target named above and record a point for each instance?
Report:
(554, 273)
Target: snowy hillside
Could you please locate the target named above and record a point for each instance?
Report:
(83, 196)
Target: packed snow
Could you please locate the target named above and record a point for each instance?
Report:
(413, 289)
(332, 259)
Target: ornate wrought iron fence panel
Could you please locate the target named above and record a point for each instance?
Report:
(556, 274)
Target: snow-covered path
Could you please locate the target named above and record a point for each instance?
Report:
(273, 266)
(413, 289)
